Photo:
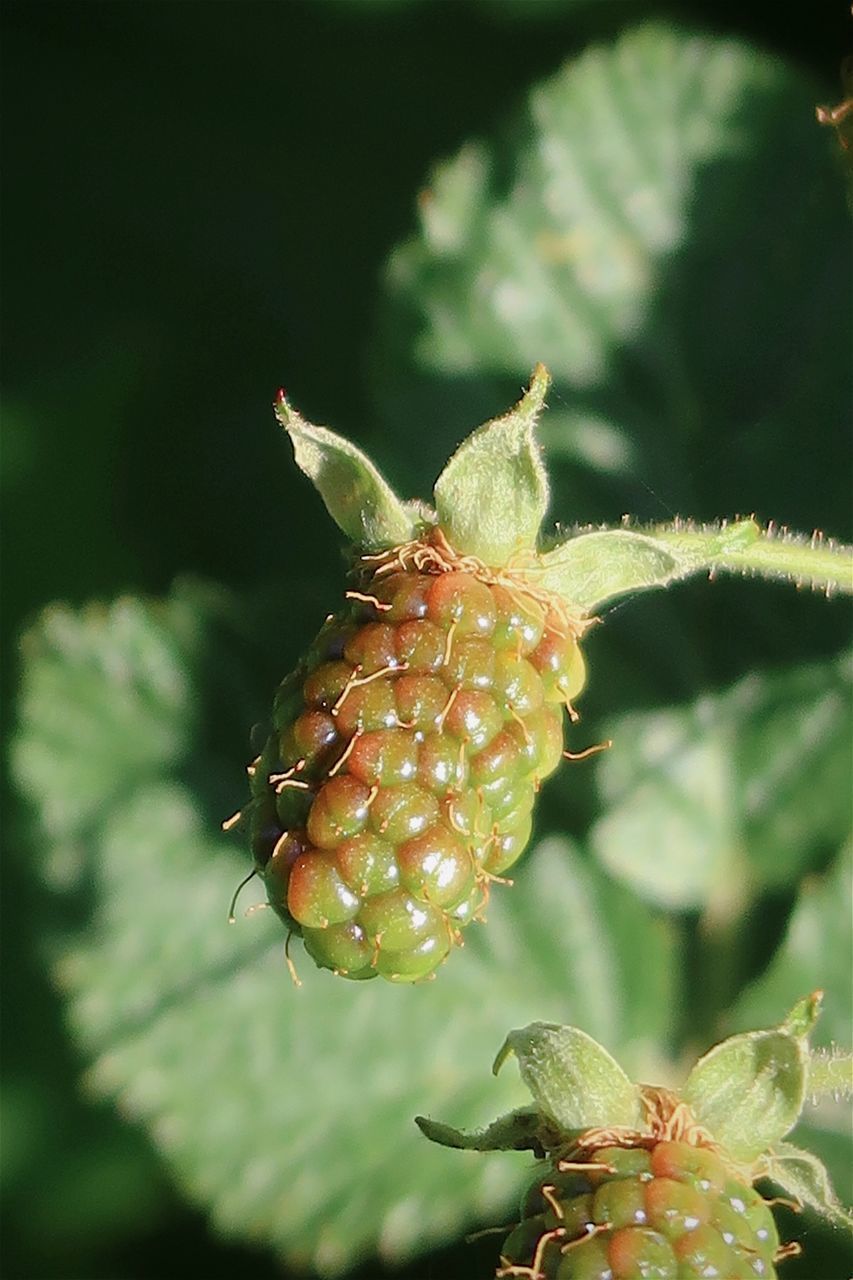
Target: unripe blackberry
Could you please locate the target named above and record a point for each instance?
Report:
(637, 1182)
(404, 759)
(671, 1210)
(399, 776)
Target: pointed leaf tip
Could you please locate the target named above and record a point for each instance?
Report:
(804, 1015)
(534, 397)
(493, 494)
(357, 497)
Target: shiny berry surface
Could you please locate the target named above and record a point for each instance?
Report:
(663, 1211)
(400, 775)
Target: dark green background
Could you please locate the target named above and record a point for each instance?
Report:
(198, 201)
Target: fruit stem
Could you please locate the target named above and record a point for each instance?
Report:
(816, 561)
(591, 568)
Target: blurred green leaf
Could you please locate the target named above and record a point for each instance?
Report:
(793, 767)
(108, 701)
(817, 951)
(657, 226)
(289, 1112)
(747, 788)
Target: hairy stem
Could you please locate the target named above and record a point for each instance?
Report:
(592, 568)
(830, 1074)
(743, 547)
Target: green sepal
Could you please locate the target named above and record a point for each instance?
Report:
(803, 1176)
(492, 495)
(575, 1082)
(358, 498)
(749, 1090)
(519, 1130)
(589, 569)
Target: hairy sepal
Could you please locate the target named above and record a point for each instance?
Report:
(357, 497)
(748, 1091)
(804, 1177)
(575, 1083)
(520, 1130)
(493, 493)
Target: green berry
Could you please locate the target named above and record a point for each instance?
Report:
(500, 759)
(473, 718)
(745, 1212)
(366, 709)
(586, 1260)
(368, 864)
(470, 664)
(385, 756)
(520, 622)
(517, 686)
(418, 702)
(698, 1166)
(403, 765)
(636, 1182)
(660, 1210)
(508, 845)
(674, 1208)
(443, 768)
(416, 961)
(421, 647)
(372, 647)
